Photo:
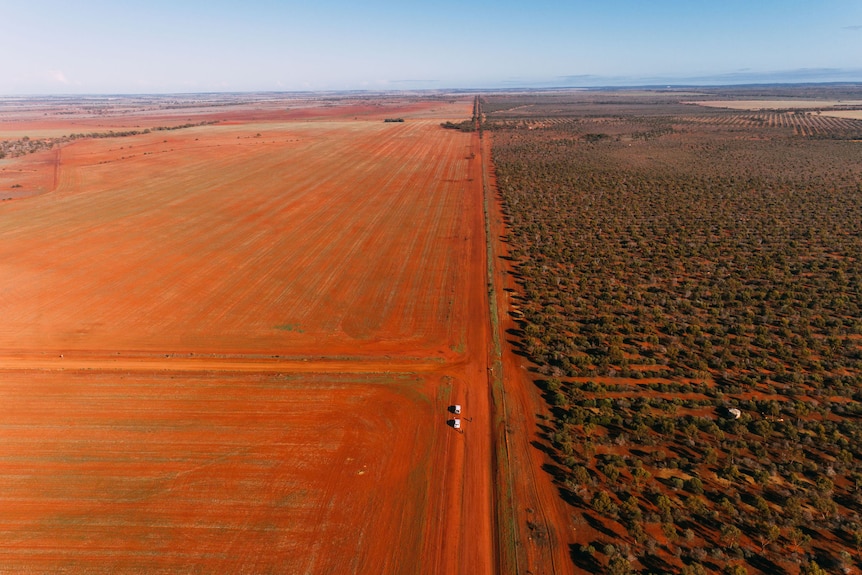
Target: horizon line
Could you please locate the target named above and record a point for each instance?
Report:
(654, 85)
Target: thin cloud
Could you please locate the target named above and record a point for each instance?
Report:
(58, 77)
(855, 28)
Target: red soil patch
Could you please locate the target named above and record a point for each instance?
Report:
(231, 348)
(29, 175)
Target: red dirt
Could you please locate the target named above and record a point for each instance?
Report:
(228, 352)
(235, 472)
(30, 175)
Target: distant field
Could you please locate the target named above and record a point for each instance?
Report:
(853, 114)
(777, 104)
(265, 237)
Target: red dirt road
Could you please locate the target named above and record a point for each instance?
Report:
(232, 349)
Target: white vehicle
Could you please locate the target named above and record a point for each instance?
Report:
(457, 409)
(456, 424)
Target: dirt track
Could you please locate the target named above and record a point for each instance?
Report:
(233, 349)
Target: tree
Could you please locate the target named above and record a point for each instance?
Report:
(767, 533)
(694, 485)
(812, 568)
(798, 538)
(581, 475)
(694, 569)
(619, 565)
(669, 530)
(730, 534)
(603, 504)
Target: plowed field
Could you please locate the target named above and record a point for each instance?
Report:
(232, 348)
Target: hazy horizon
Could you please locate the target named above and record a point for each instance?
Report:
(99, 47)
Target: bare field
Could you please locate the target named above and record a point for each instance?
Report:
(231, 348)
(112, 472)
(852, 114)
(776, 104)
(247, 238)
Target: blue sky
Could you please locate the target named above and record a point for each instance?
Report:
(158, 46)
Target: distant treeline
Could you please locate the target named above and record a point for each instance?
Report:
(471, 125)
(26, 145)
(123, 134)
(465, 126)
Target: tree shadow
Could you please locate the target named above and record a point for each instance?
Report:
(517, 349)
(655, 564)
(764, 565)
(557, 473)
(546, 449)
(584, 560)
(599, 526)
(571, 497)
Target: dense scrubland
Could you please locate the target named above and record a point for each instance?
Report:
(676, 264)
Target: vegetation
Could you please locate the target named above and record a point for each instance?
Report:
(673, 263)
(26, 145)
(473, 124)
(465, 126)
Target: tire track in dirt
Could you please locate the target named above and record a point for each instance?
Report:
(75, 362)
